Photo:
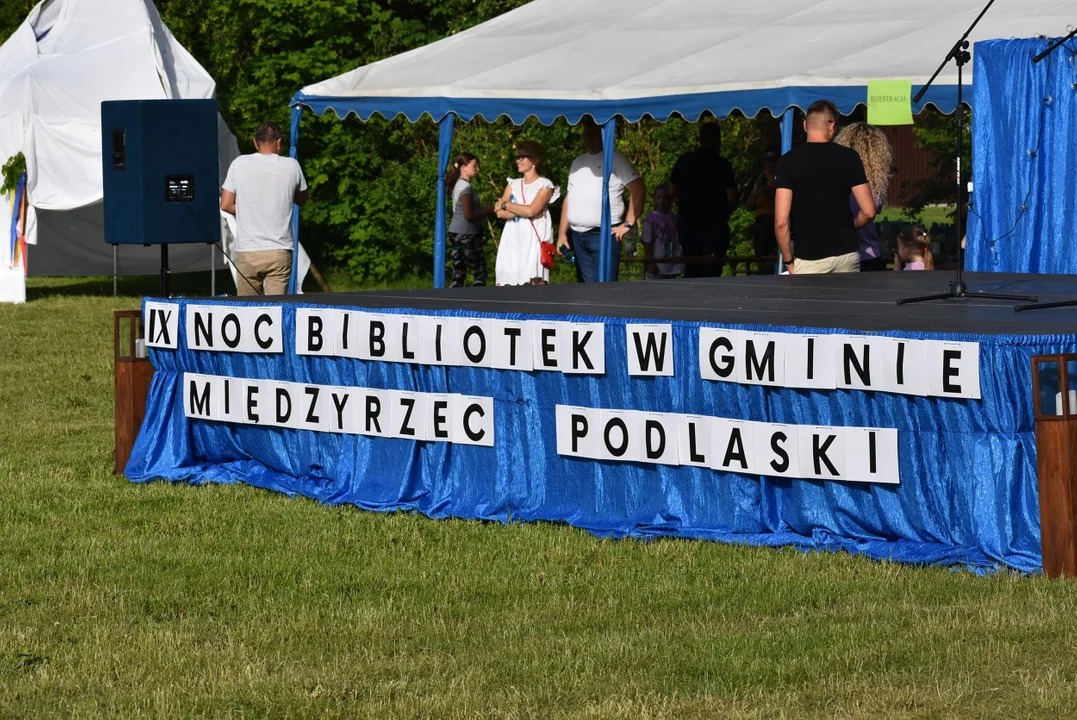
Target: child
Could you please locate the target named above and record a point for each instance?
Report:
(913, 252)
(465, 230)
(660, 237)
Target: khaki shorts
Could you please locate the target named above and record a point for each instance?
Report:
(267, 272)
(848, 263)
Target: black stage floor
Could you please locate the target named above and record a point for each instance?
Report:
(860, 302)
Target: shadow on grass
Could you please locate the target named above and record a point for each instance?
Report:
(197, 284)
(194, 284)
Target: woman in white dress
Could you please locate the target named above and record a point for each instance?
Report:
(524, 207)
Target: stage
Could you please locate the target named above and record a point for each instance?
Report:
(804, 411)
(864, 302)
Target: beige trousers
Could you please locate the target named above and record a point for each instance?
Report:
(268, 271)
(848, 263)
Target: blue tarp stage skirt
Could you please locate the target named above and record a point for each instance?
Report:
(967, 493)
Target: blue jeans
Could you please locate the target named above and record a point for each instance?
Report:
(588, 248)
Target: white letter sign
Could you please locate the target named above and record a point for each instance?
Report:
(848, 454)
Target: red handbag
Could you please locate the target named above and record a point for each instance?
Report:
(547, 250)
(549, 253)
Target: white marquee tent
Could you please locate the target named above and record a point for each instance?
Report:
(55, 70)
(630, 58)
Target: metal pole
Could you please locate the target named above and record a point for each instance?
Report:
(445, 135)
(610, 251)
(959, 113)
(787, 145)
(960, 55)
(787, 130)
(212, 270)
(295, 282)
(166, 273)
(115, 268)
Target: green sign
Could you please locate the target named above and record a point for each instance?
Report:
(890, 102)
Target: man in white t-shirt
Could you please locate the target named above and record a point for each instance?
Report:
(259, 190)
(581, 208)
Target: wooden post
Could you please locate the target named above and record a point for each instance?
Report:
(319, 279)
(1056, 461)
(133, 375)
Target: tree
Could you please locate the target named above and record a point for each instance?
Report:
(372, 183)
(373, 195)
(936, 133)
(12, 14)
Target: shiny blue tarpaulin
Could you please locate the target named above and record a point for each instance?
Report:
(968, 493)
(1024, 166)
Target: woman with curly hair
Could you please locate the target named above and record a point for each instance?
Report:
(871, 145)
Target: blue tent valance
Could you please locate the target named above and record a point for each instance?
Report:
(750, 102)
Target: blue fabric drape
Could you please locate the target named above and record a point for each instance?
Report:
(968, 492)
(20, 188)
(293, 142)
(445, 133)
(787, 131)
(1023, 130)
(609, 138)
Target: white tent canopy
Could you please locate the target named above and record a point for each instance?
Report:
(554, 58)
(55, 71)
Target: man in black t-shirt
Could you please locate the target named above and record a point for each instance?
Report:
(705, 189)
(811, 202)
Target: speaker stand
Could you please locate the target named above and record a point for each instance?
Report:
(166, 273)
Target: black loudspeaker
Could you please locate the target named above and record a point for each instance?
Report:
(160, 167)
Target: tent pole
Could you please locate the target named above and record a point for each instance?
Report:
(787, 130)
(610, 257)
(787, 145)
(445, 134)
(293, 140)
(115, 269)
(213, 271)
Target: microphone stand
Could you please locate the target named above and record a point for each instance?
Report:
(958, 289)
(1056, 46)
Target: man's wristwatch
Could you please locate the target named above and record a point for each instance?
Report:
(628, 225)
(505, 205)
(790, 261)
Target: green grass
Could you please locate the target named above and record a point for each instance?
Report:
(340, 281)
(929, 216)
(123, 600)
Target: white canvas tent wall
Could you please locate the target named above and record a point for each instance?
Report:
(630, 58)
(55, 70)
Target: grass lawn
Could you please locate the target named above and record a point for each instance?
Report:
(935, 214)
(122, 600)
